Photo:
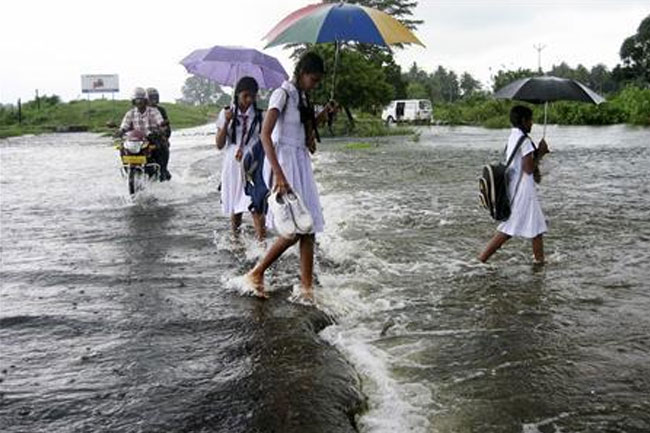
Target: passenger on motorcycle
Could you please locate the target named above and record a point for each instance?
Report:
(153, 98)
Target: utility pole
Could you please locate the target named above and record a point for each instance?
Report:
(38, 101)
(539, 48)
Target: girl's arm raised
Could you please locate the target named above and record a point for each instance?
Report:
(331, 107)
(223, 131)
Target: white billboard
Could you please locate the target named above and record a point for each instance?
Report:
(100, 83)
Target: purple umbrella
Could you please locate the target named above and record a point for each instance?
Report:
(226, 65)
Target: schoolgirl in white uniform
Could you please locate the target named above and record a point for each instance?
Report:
(526, 218)
(288, 136)
(238, 128)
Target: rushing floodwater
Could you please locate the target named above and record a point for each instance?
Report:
(122, 316)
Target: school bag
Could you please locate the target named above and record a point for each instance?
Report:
(255, 187)
(493, 186)
(252, 166)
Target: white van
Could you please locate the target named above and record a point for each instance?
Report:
(408, 110)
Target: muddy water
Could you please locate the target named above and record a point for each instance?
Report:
(122, 315)
(116, 315)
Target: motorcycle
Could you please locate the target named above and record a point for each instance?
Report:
(138, 164)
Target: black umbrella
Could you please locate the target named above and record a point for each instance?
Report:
(545, 89)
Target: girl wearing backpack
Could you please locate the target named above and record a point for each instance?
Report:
(288, 136)
(238, 127)
(526, 218)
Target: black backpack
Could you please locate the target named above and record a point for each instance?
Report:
(493, 186)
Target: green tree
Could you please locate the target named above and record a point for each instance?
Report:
(563, 70)
(416, 90)
(359, 83)
(469, 85)
(503, 78)
(201, 91)
(601, 79)
(416, 74)
(444, 85)
(385, 60)
(635, 55)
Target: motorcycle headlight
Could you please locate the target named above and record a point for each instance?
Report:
(133, 146)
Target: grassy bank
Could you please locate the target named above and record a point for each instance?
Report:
(93, 116)
(96, 115)
(365, 125)
(631, 106)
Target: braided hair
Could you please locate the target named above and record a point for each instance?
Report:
(309, 63)
(246, 83)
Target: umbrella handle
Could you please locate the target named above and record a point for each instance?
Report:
(336, 62)
(234, 87)
(545, 118)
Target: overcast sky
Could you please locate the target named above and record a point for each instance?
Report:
(48, 44)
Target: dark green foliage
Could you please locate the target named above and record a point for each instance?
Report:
(441, 86)
(634, 103)
(602, 80)
(635, 54)
(416, 90)
(503, 78)
(366, 125)
(469, 85)
(201, 91)
(631, 105)
(360, 84)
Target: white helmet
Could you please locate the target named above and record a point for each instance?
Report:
(138, 93)
(152, 94)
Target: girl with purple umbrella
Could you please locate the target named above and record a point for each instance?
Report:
(238, 127)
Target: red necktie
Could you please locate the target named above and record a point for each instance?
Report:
(243, 130)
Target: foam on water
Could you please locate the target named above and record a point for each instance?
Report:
(399, 255)
(353, 295)
(440, 341)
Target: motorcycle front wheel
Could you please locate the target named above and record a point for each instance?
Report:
(135, 180)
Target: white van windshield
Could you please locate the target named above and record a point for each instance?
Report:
(425, 105)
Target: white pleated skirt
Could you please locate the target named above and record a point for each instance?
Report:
(233, 198)
(526, 217)
(297, 168)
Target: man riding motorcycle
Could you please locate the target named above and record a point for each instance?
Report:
(146, 120)
(153, 98)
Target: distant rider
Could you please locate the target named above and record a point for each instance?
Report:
(154, 99)
(146, 120)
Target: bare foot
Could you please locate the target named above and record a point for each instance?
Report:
(303, 296)
(307, 293)
(256, 282)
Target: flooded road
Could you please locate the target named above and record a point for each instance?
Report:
(125, 316)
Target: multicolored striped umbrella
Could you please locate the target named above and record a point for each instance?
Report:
(340, 22)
